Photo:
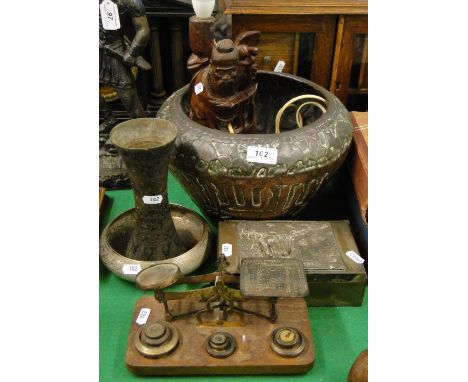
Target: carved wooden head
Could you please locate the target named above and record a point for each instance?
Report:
(223, 67)
(247, 43)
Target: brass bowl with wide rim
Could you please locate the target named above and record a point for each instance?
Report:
(212, 165)
(191, 228)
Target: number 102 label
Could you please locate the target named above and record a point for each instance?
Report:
(152, 199)
(258, 154)
(131, 269)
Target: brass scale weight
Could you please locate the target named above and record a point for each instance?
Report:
(157, 341)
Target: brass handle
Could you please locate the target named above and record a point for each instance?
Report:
(267, 60)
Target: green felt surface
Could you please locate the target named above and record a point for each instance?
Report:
(340, 334)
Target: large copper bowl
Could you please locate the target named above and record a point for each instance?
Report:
(212, 164)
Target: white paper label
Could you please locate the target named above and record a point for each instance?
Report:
(258, 154)
(279, 66)
(198, 88)
(131, 269)
(109, 15)
(226, 249)
(143, 316)
(355, 257)
(155, 199)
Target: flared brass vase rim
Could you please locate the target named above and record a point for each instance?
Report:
(135, 127)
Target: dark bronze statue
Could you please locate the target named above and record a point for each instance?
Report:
(223, 88)
(116, 58)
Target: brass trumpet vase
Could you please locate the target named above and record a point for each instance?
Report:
(154, 231)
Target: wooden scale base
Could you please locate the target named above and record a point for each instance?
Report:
(253, 353)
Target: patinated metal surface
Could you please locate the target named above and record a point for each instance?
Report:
(117, 57)
(334, 279)
(273, 277)
(156, 339)
(145, 145)
(191, 228)
(112, 172)
(219, 298)
(158, 277)
(311, 242)
(287, 342)
(220, 345)
(253, 354)
(212, 164)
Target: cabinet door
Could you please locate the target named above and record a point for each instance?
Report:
(304, 42)
(276, 47)
(349, 76)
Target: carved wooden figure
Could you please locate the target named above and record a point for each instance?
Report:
(247, 43)
(222, 94)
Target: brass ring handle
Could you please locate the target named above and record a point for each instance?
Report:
(291, 101)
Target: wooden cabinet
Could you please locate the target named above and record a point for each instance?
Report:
(324, 41)
(304, 43)
(349, 76)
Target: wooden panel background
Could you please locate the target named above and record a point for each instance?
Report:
(297, 7)
(323, 26)
(278, 46)
(348, 27)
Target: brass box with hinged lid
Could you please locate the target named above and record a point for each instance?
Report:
(334, 279)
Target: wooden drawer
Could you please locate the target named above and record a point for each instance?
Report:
(274, 47)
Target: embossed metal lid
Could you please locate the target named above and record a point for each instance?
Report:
(273, 278)
(320, 245)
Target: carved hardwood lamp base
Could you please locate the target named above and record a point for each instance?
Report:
(246, 344)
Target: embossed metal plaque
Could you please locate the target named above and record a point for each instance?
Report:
(312, 242)
(260, 277)
(334, 278)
